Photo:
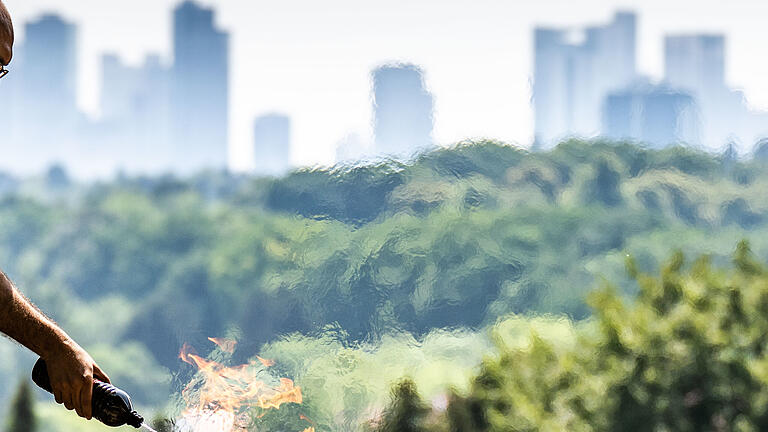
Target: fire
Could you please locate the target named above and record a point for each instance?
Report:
(226, 345)
(205, 421)
(220, 397)
(265, 362)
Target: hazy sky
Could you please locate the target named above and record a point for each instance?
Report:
(312, 59)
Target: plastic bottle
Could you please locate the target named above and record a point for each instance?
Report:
(110, 405)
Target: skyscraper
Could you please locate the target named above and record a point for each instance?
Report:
(46, 117)
(653, 115)
(135, 113)
(403, 110)
(696, 63)
(272, 144)
(572, 79)
(199, 89)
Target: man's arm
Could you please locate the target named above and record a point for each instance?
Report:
(70, 368)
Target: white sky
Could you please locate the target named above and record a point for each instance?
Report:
(312, 59)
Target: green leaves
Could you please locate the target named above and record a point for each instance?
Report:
(688, 355)
(459, 237)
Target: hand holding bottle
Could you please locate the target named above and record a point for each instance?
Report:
(71, 371)
(109, 404)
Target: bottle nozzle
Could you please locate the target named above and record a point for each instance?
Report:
(135, 420)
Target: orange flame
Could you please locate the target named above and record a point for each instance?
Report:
(222, 392)
(226, 345)
(265, 362)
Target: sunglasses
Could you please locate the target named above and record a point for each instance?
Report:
(3, 71)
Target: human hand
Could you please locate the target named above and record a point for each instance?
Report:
(71, 371)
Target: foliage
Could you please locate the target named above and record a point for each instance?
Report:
(407, 412)
(161, 424)
(458, 238)
(346, 384)
(688, 355)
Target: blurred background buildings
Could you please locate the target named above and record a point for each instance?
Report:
(161, 116)
(272, 144)
(573, 73)
(173, 114)
(199, 89)
(43, 114)
(586, 85)
(402, 110)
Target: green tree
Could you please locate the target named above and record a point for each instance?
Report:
(689, 354)
(407, 412)
(22, 414)
(162, 424)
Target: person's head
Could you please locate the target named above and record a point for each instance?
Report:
(6, 35)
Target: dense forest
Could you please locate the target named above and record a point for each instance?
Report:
(354, 277)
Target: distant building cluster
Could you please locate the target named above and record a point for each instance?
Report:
(171, 115)
(572, 77)
(43, 116)
(154, 117)
(586, 85)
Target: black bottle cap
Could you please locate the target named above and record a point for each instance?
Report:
(135, 420)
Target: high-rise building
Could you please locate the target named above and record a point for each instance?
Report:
(696, 64)
(572, 77)
(653, 115)
(135, 113)
(199, 89)
(272, 144)
(46, 118)
(403, 110)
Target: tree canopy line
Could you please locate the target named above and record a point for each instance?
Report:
(441, 248)
(688, 355)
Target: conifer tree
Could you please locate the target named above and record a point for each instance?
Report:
(22, 414)
(407, 412)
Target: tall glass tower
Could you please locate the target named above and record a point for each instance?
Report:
(403, 110)
(199, 89)
(573, 73)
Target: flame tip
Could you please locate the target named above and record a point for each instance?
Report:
(228, 389)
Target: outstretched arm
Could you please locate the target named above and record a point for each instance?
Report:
(70, 368)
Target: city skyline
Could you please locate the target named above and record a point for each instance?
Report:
(506, 115)
(588, 86)
(155, 118)
(571, 79)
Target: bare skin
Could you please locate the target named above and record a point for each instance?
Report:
(70, 368)
(6, 36)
